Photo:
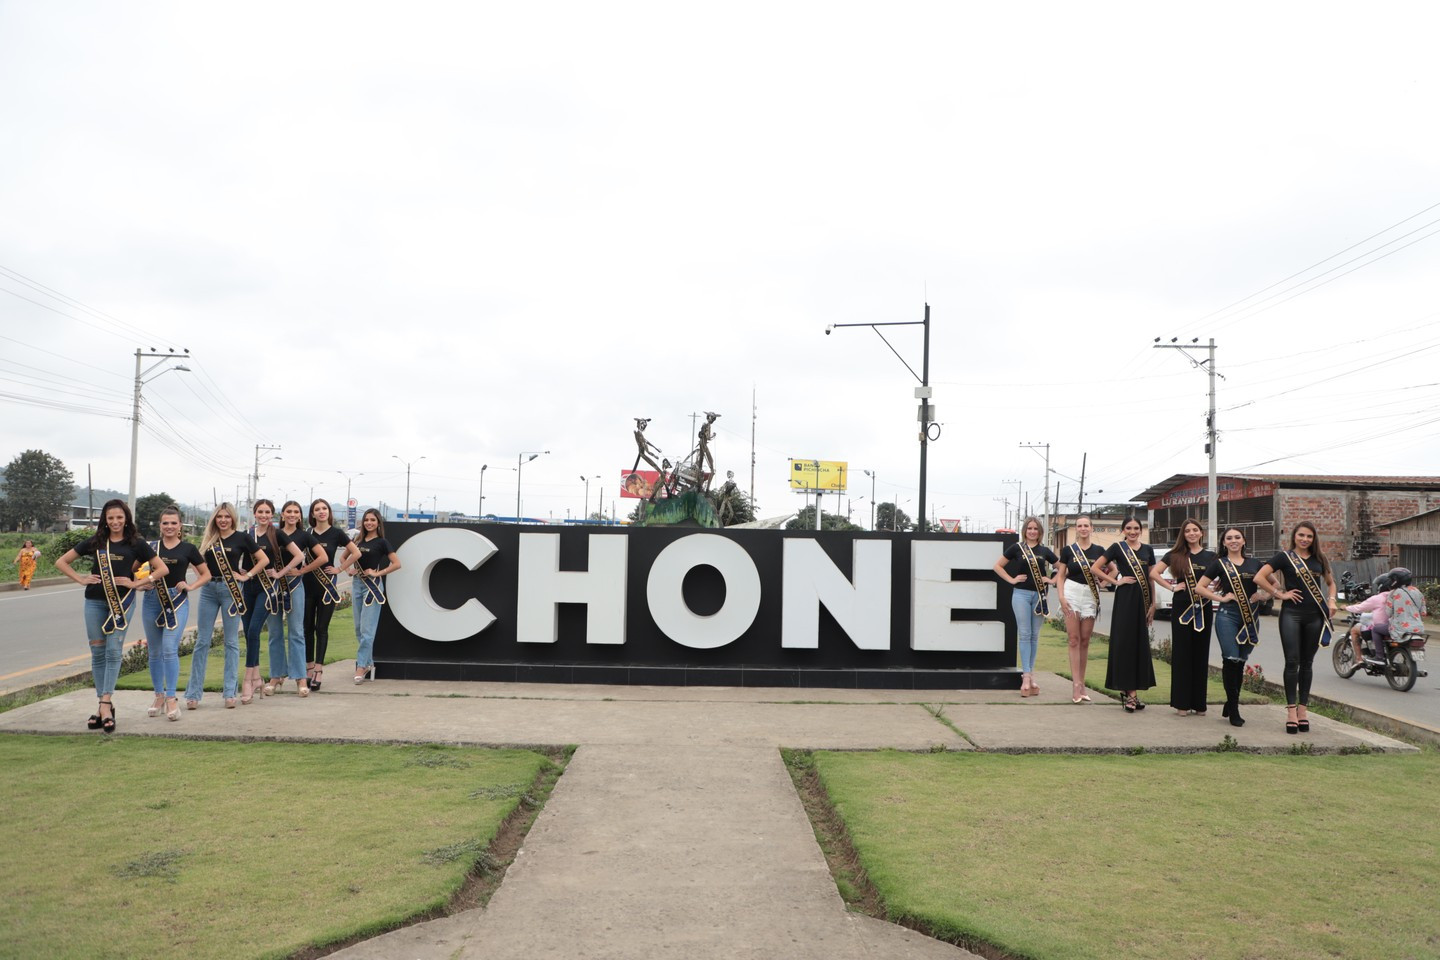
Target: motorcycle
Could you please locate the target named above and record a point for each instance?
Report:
(1400, 665)
(1353, 592)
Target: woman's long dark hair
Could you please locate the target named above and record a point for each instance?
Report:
(1180, 554)
(102, 533)
(274, 552)
(379, 523)
(310, 518)
(1244, 541)
(1315, 552)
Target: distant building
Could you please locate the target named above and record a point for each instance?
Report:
(1359, 518)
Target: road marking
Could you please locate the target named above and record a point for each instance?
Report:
(58, 663)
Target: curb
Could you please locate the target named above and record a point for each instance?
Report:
(14, 585)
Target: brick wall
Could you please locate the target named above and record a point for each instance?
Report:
(1337, 516)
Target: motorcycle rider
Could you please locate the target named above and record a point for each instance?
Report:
(1376, 621)
(1404, 607)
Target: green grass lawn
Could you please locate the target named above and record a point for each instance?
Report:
(342, 646)
(1218, 856)
(1054, 657)
(141, 847)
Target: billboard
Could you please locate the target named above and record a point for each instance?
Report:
(833, 475)
(641, 485)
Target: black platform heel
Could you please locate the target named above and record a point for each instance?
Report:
(94, 722)
(107, 724)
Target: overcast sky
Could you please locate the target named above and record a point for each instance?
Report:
(463, 231)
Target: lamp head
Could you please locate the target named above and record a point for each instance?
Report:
(829, 328)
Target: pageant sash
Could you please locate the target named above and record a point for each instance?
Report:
(116, 599)
(170, 603)
(1138, 571)
(1084, 564)
(1042, 592)
(227, 575)
(1194, 615)
(267, 587)
(374, 590)
(329, 593)
(1312, 591)
(1249, 629)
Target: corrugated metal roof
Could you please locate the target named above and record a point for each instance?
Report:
(1301, 479)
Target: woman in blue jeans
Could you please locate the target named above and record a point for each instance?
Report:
(1024, 566)
(231, 555)
(179, 556)
(287, 628)
(367, 589)
(116, 549)
(1230, 582)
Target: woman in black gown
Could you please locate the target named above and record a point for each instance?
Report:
(1127, 565)
(1191, 618)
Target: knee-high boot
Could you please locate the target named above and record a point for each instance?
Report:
(1231, 672)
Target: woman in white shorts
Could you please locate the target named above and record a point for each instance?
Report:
(1079, 601)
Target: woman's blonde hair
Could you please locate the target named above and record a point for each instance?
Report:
(212, 532)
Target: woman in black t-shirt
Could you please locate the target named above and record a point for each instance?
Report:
(367, 590)
(1080, 601)
(1190, 619)
(1304, 617)
(117, 550)
(283, 556)
(287, 654)
(1024, 566)
(179, 556)
(1237, 628)
(322, 590)
(1129, 668)
(232, 556)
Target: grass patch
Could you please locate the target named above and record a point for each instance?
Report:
(1228, 856)
(133, 846)
(1053, 656)
(342, 646)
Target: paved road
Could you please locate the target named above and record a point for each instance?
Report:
(42, 636)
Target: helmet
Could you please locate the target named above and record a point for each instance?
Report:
(1400, 577)
(1381, 584)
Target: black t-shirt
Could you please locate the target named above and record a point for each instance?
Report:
(334, 540)
(124, 558)
(1145, 554)
(302, 539)
(1072, 566)
(178, 559)
(1199, 562)
(277, 552)
(374, 554)
(239, 548)
(1220, 583)
(1016, 564)
(1280, 563)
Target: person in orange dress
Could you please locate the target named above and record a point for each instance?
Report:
(25, 561)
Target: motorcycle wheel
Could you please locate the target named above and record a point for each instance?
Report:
(1400, 669)
(1342, 655)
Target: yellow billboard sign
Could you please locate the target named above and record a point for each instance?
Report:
(829, 475)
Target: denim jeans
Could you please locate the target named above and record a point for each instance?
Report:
(1027, 623)
(164, 643)
(366, 620)
(106, 649)
(1227, 628)
(287, 647)
(214, 601)
(256, 617)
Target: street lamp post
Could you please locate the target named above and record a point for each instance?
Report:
(140, 381)
(871, 475)
(585, 514)
(926, 415)
(520, 461)
(408, 465)
(480, 507)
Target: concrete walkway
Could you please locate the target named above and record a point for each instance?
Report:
(675, 829)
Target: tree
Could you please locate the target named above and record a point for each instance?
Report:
(890, 517)
(38, 488)
(741, 508)
(805, 520)
(147, 512)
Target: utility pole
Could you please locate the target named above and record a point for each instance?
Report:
(1046, 446)
(1211, 436)
(754, 415)
(1080, 505)
(140, 381)
(1019, 500)
(1006, 502)
(817, 493)
(255, 477)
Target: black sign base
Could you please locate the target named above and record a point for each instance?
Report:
(682, 676)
